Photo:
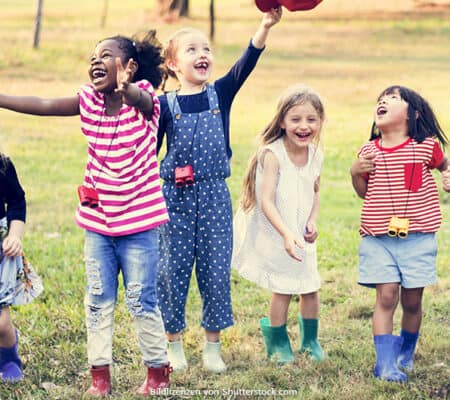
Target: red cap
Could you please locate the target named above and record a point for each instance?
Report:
(291, 5)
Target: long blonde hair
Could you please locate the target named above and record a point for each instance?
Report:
(291, 97)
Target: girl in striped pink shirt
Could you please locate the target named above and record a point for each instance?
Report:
(399, 219)
(120, 200)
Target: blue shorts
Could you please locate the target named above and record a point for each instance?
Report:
(411, 262)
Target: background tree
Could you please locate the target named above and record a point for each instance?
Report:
(171, 10)
(37, 25)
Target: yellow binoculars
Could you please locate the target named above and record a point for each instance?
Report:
(398, 227)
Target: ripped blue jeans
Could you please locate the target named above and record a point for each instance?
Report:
(136, 256)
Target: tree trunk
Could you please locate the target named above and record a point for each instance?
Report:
(184, 8)
(212, 20)
(37, 26)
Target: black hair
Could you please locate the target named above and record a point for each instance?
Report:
(146, 50)
(422, 121)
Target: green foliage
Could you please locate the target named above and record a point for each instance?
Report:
(349, 60)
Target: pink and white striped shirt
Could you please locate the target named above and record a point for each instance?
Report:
(402, 185)
(122, 166)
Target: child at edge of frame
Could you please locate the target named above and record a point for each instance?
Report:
(195, 120)
(19, 282)
(121, 203)
(399, 219)
(275, 227)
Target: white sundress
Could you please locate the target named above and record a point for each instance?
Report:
(258, 249)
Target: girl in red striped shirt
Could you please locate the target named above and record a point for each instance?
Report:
(400, 216)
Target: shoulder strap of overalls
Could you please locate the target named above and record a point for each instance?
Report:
(212, 97)
(172, 102)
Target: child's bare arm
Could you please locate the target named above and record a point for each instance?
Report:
(270, 18)
(311, 227)
(268, 191)
(446, 176)
(64, 106)
(364, 164)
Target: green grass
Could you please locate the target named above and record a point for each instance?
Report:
(349, 60)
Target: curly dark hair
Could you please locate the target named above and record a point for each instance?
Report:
(146, 50)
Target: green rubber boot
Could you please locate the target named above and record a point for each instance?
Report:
(308, 338)
(276, 341)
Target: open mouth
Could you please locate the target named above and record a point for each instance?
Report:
(201, 66)
(381, 110)
(303, 135)
(98, 75)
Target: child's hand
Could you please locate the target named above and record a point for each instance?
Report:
(311, 232)
(364, 164)
(446, 179)
(124, 75)
(131, 94)
(272, 17)
(12, 246)
(291, 245)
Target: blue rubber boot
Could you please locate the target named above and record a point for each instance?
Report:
(10, 363)
(387, 348)
(308, 338)
(405, 359)
(276, 341)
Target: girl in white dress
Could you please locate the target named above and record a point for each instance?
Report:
(275, 227)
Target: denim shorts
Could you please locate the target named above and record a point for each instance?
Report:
(411, 262)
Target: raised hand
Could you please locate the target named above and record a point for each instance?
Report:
(272, 17)
(124, 75)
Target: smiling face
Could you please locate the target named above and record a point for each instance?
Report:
(391, 113)
(193, 61)
(102, 69)
(302, 124)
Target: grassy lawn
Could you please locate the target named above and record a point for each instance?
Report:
(349, 55)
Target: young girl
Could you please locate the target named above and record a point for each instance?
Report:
(400, 216)
(276, 224)
(18, 282)
(195, 120)
(120, 200)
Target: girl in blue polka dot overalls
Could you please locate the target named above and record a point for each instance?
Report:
(195, 120)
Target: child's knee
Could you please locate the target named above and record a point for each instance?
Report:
(387, 298)
(412, 307)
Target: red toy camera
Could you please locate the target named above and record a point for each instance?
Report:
(184, 176)
(88, 196)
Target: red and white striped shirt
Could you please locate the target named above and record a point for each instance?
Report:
(122, 166)
(402, 185)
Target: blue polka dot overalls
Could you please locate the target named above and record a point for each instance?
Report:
(200, 227)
